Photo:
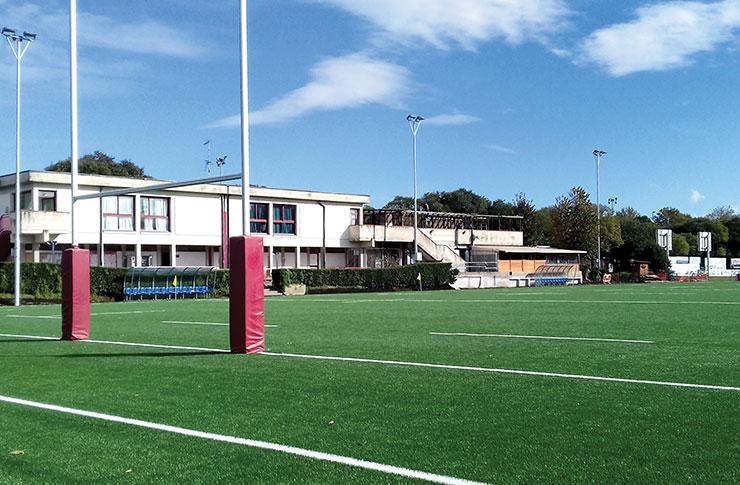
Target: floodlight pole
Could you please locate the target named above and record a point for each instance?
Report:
(19, 44)
(597, 155)
(74, 147)
(414, 122)
(244, 118)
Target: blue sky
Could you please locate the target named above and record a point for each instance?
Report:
(517, 94)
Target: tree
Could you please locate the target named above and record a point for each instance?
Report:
(722, 214)
(670, 218)
(99, 163)
(400, 202)
(680, 245)
(525, 208)
(575, 223)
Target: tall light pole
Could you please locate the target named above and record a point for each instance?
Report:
(414, 122)
(244, 92)
(19, 44)
(597, 155)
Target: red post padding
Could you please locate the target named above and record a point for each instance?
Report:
(246, 295)
(75, 294)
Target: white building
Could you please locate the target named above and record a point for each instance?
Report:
(181, 227)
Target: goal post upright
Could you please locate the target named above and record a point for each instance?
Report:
(75, 261)
(246, 253)
(246, 278)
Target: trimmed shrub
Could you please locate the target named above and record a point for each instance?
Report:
(433, 276)
(107, 282)
(45, 280)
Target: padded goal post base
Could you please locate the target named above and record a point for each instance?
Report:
(246, 295)
(75, 294)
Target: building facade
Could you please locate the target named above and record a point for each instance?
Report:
(186, 226)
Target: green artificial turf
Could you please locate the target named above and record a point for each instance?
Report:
(490, 427)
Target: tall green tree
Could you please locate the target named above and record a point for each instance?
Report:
(533, 234)
(575, 223)
(99, 163)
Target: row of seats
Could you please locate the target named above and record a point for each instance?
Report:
(167, 291)
(551, 281)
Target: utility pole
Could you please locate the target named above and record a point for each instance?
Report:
(19, 44)
(414, 122)
(597, 155)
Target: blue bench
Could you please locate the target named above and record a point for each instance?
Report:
(166, 291)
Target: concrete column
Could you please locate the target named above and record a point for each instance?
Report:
(270, 256)
(363, 258)
(297, 256)
(173, 254)
(35, 247)
(138, 254)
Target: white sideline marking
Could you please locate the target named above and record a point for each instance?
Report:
(264, 445)
(506, 371)
(218, 324)
(590, 339)
(407, 364)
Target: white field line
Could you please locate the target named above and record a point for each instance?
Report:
(506, 371)
(517, 300)
(589, 339)
(409, 364)
(126, 344)
(58, 317)
(36, 317)
(216, 324)
(264, 445)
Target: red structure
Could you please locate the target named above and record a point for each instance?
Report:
(76, 294)
(247, 295)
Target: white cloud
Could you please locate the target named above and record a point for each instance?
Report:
(696, 197)
(500, 149)
(451, 119)
(463, 23)
(99, 31)
(144, 37)
(662, 36)
(336, 83)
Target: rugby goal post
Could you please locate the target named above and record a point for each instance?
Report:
(246, 279)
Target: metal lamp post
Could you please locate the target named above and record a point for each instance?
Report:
(613, 202)
(19, 44)
(597, 155)
(414, 122)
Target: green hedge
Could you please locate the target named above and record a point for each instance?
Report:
(433, 276)
(45, 280)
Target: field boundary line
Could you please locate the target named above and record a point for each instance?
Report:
(540, 337)
(408, 364)
(264, 445)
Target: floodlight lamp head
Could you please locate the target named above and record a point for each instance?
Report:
(8, 30)
(29, 36)
(598, 153)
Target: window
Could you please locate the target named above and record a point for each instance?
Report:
(47, 200)
(26, 200)
(118, 213)
(258, 218)
(354, 217)
(155, 214)
(283, 219)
